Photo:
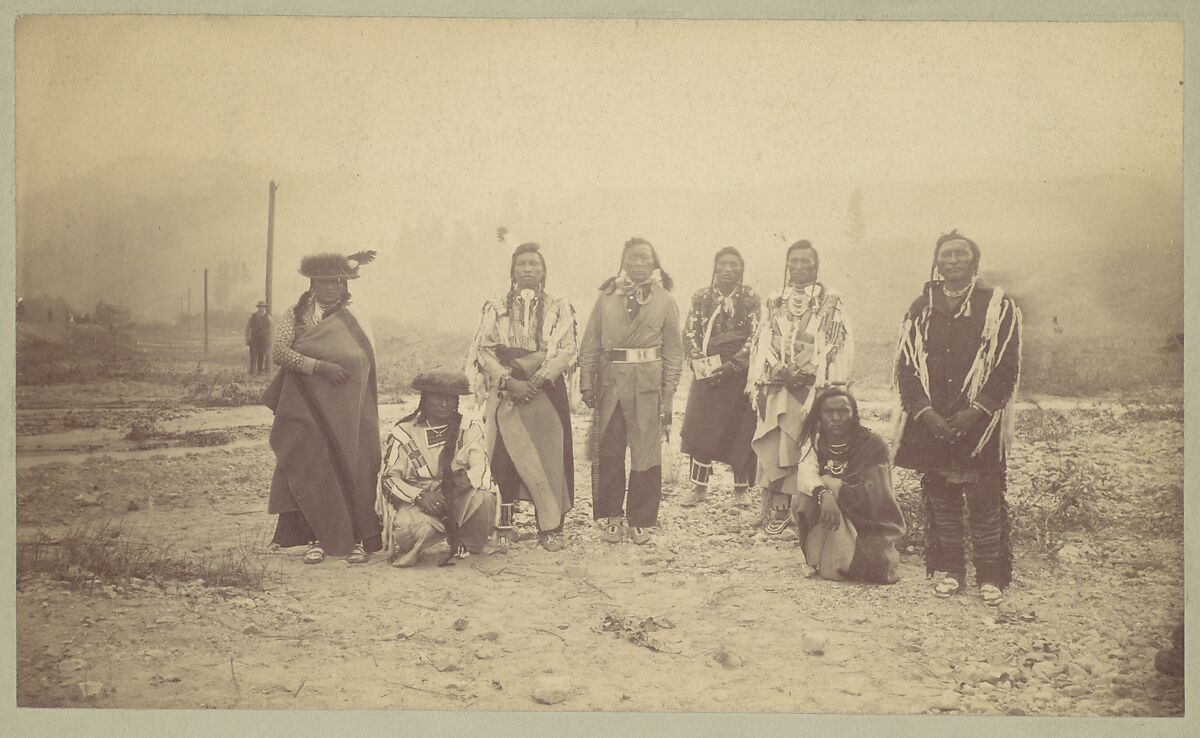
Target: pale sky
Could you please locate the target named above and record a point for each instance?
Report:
(467, 108)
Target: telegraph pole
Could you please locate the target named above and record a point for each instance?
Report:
(205, 312)
(270, 254)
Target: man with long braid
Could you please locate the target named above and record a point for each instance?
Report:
(630, 360)
(719, 421)
(524, 351)
(434, 477)
(802, 343)
(957, 370)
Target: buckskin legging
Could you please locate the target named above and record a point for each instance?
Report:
(645, 487)
(988, 520)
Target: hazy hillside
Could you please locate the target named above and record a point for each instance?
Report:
(140, 233)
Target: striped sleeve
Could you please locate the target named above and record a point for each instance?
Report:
(396, 465)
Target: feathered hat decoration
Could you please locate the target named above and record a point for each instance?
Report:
(335, 266)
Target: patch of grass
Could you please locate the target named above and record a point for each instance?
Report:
(148, 435)
(230, 394)
(1154, 413)
(1058, 500)
(83, 558)
(907, 486)
(81, 419)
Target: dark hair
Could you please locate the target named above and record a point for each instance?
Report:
(527, 248)
(954, 235)
(667, 282)
(308, 297)
(812, 424)
(728, 251)
(802, 244)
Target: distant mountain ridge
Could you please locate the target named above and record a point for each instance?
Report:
(141, 231)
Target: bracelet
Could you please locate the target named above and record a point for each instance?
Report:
(818, 492)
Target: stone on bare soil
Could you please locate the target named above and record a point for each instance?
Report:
(461, 624)
(551, 689)
(1046, 670)
(814, 643)
(252, 629)
(727, 659)
(945, 702)
(90, 689)
(486, 652)
(71, 665)
(1070, 554)
(444, 662)
(1075, 671)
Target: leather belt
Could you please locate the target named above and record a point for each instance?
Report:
(633, 355)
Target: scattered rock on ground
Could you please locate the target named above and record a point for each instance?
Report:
(551, 689)
(814, 643)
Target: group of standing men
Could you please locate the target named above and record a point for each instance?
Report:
(769, 398)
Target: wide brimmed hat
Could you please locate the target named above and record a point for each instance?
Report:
(334, 266)
(261, 304)
(442, 382)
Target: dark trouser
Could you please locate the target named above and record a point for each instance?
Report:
(258, 358)
(988, 520)
(645, 487)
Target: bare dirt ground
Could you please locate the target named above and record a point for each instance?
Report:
(711, 617)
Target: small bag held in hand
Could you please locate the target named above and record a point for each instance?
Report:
(706, 367)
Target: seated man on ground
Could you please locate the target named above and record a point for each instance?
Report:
(433, 472)
(850, 523)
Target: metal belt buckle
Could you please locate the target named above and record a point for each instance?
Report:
(634, 355)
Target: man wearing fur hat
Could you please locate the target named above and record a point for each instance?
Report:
(433, 476)
(326, 430)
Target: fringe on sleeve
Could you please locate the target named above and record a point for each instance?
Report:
(476, 375)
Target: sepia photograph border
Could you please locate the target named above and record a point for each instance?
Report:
(62, 722)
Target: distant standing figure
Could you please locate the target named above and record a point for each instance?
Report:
(20, 309)
(957, 369)
(1058, 329)
(326, 430)
(719, 422)
(630, 360)
(258, 338)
